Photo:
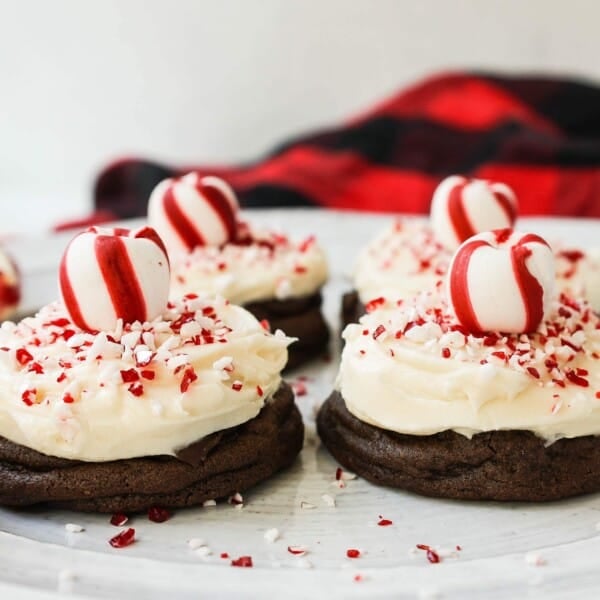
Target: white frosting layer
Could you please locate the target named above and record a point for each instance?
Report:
(271, 266)
(400, 262)
(10, 284)
(204, 366)
(409, 369)
(406, 259)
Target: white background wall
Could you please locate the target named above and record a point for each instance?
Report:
(83, 81)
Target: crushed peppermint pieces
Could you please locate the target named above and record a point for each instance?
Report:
(271, 535)
(353, 553)
(432, 556)
(384, 522)
(158, 515)
(297, 550)
(236, 500)
(119, 519)
(123, 539)
(242, 561)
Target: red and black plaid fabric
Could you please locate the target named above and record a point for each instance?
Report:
(539, 135)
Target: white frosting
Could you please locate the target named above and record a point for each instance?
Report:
(236, 362)
(10, 281)
(403, 260)
(479, 203)
(271, 266)
(406, 259)
(407, 369)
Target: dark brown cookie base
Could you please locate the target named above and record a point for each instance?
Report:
(218, 466)
(300, 318)
(352, 308)
(498, 465)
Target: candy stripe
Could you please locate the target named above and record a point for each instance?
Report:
(532, 292)
(150, 234)
(463, 228)
(221, 206)
(459, 286)
(506, 205)
(180, 222)
(120, 277)
(69, 296)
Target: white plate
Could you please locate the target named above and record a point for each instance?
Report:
(499, 542)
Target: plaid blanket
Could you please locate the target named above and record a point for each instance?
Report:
(538, 134)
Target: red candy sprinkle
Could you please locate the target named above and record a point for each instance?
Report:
(379, 331)
(61, 377)
(533, 372)
(224, 555)
(68, 399)
(119, 519)
(352, 553)
(384, 522)
(242, 561)
(137, 389)
(35, 367)
(23, 356)
(125, 538)
(29, 396)
(129, 376)
(338, 473)
(432, 556)
(265, 325)
(446, 352)
(259, 391)
(158, 515)
(189, 376)
(373, 304)
(237, 386)
(576, 379)
(147, 374)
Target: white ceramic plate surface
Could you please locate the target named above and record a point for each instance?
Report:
(506, 550)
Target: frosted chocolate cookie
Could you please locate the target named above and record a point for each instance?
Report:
(115, 399)
(486, 390)
(276, 278)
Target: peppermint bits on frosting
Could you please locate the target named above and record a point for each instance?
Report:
(502, 280)
(463, 207)
(193, 211)
(111, 274)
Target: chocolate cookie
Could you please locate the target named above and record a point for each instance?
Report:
(497, 465)
(217, 466)
(352, 308)
(297, 317)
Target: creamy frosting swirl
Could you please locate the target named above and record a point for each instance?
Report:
(268, 265)
(143, 389)
(411, 368)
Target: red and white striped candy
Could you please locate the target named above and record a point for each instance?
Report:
(502, 280)
(463, 207)
(10, 286)
(110, 274)
(193, 211)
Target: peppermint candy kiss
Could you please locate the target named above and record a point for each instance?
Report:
(111, 274)
(501, 280)
(193, 211)
(463, 207)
